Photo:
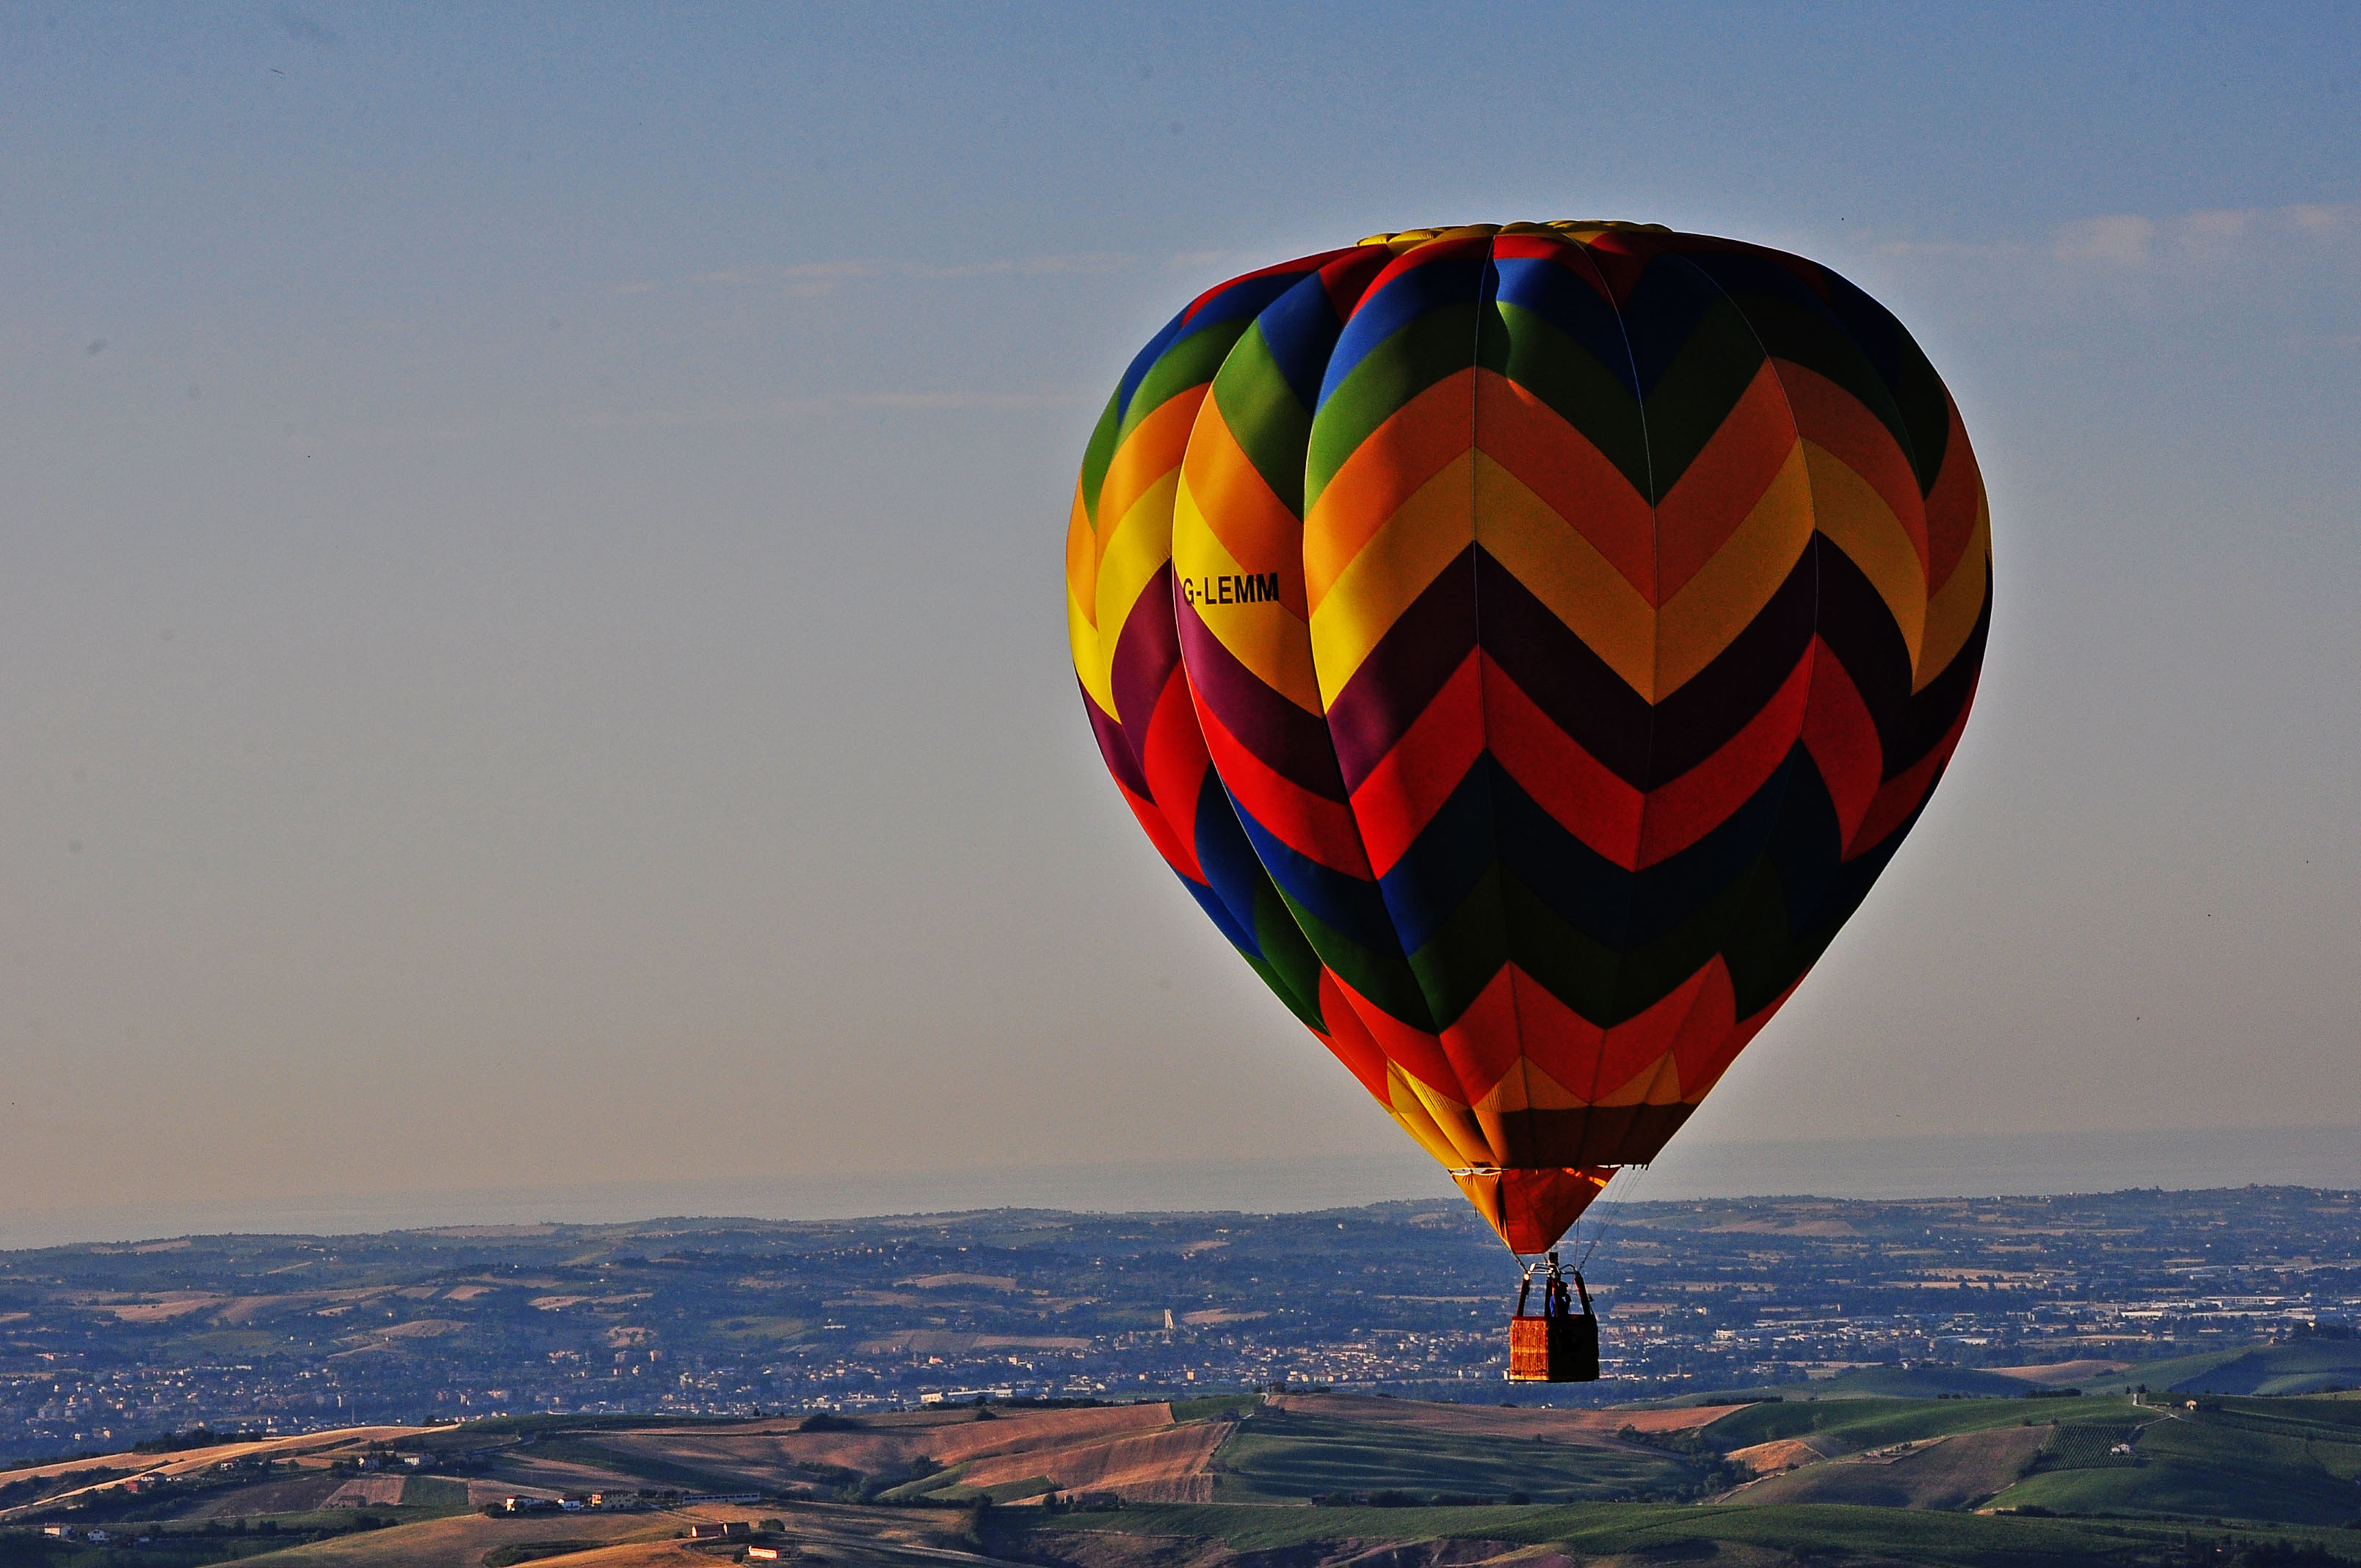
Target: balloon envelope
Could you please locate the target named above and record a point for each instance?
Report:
(1529, 644)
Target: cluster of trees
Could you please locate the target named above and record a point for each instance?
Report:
(195, 1437)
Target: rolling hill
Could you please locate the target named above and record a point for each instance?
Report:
(1269, 1481)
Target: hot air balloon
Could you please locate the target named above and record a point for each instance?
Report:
(1529, 644)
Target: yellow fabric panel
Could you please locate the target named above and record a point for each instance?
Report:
(1150, 452)
(1658, 1083)
(1225, 493)
(1454, 1122)
(1856, 518)
(1081, 552)
(1525, 1087)
(1081, 606)
(1723, 598)
(1951, 613)
(1266, 637)
(1411, 1112)
(1561, 568)
(1432, 528)
(1141, 544)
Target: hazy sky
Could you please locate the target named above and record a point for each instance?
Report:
(532, 644)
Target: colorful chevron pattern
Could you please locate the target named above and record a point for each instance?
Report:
(1529, 644)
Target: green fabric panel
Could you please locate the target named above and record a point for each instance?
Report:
(1191, 362)
(1436, 345)
(1466, 950)
(1563, 961)
(1763, 955)
(1821, 347)
(1271, 424)
(1611, 988)
(1925, 412)
(1585, 394)
(1294, 967)
(1697, 391)
(1095, 458)
(1382, 977)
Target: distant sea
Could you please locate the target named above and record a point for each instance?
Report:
(2032, 1163)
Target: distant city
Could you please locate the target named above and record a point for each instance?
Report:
(102, 1345)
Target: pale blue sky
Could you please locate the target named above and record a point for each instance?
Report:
(531, 649)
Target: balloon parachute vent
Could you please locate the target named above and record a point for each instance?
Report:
(1569, 228)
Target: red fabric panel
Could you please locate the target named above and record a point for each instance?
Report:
(1700, 800)
(1311, 825)
(1482, 1042)
(1842, 739)
(1718, 491)
(1403, 793)
(1350, 1040)
(1175, 762)
(1580, 793)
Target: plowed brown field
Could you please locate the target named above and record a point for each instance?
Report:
(462, 1540)
(1780, 1453)
(2061, 1374)
(189, 1459)
(884, 1444)
(1164, 1466)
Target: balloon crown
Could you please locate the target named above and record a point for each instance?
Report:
(1571, 228)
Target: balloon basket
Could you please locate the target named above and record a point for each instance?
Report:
(1556, 1344)
(1553, 1349)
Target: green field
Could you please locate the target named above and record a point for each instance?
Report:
(436, 1492)
(2299, 1366)
(2303, 1366)
(1646, 1532)
(2286, 1460)
(1849, 1425)
(1213, 1405)
(650, 1469)
(1922, 1383)
(1289, 1455)
(2087, 1446)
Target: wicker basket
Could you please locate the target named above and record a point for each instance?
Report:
(1553, 1350)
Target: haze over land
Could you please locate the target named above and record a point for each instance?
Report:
(2212, 1290)
(531, 654)
(2139, 1378)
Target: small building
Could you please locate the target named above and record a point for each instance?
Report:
(59, 1531)
(725, 1530)
(765, 1553)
